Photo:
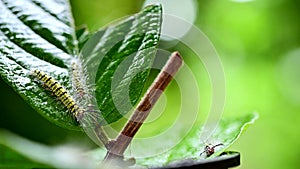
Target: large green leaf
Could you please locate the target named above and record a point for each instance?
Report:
(38, 34)
(227, 132)
(122, 57)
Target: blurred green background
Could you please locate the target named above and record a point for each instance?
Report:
(259, 45)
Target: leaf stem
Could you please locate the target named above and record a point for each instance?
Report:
(101, 135)
(120, 144)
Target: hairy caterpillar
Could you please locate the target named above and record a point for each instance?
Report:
(79, 82)
(82, 92)
(83, 95)
(63, 96)
(88, 117)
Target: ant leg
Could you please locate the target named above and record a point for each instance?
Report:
(220, 144)
(202, 153)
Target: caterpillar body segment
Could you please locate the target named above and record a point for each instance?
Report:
(79, 82)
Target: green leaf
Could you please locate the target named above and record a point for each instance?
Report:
(18, 152)
(83, 35)
(122, 57)
(227, 132)
(38, 34)
(11, 159)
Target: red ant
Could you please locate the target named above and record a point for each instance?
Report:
(209, 150)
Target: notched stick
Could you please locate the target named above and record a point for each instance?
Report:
(119, 145)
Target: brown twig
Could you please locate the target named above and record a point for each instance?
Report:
(119, 145)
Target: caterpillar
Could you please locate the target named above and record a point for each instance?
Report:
(61, 93)
(79, 82)
(83, 95)
(87, 118)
